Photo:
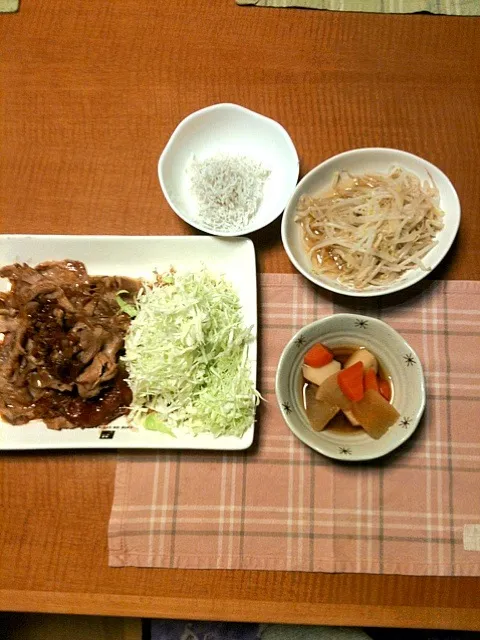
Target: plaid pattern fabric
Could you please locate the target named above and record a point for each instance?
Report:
(282, 506)
(448, 7)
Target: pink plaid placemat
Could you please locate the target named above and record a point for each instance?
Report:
(282, 506)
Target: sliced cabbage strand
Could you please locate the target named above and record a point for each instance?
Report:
(186, 353)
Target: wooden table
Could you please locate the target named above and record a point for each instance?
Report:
(91, 93)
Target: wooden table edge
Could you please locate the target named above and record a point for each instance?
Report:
(245, 610)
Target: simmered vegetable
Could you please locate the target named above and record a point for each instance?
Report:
(351, 418)
(318, 374)
(365, 357)
(318, 356)
(351, 390)
(329, 391)
(350, 381)
(370, 380)
(374, 413)
(384, 389)
(319, 413)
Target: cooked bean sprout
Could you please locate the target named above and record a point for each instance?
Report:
(366, 231)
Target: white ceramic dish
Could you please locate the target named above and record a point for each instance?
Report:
(135, 257)
(359, 161)
(229, 129)
(396, 357)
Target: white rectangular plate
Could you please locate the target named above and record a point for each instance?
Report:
(135, 256)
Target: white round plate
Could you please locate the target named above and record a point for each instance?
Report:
(233, 130)
(359, 161)
(396, 357)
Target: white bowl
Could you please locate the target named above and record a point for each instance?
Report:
(359, 161)
(395, 355)
(234, 130)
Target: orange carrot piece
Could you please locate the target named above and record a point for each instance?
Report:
(318, 356)
(350, 381)
(370, 380)
(385, 389)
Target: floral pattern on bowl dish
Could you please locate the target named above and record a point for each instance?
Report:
(396, 357)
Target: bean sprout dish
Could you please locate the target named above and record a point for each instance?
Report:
(368, 230)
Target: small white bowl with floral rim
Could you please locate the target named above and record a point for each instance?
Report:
(395, 356)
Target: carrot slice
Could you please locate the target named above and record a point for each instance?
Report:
(318, 356)
(385, 389)
(350, 381)
(370, 380)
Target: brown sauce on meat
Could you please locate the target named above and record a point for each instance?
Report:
(63, 340)
(339, 423)
(110, 404)
(54, 344)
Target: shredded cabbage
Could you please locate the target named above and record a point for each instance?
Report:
(127, 308)
(186, 353)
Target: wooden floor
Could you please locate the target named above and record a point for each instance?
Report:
(19, 626)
